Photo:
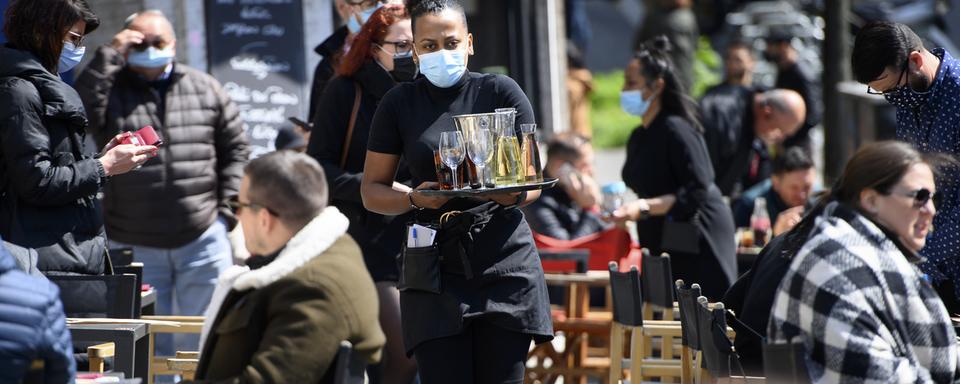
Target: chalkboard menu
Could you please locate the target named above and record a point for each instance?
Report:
(256, 50)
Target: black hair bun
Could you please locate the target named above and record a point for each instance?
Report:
(660, 43)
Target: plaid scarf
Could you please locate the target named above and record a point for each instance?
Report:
(861, 308)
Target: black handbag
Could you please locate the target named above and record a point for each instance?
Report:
(681, 236)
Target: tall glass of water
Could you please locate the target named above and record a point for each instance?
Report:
(452, 151)
(480, 149)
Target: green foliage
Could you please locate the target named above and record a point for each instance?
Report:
(612, 126)
(706, 68)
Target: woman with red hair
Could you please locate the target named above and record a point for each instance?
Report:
(381, 57)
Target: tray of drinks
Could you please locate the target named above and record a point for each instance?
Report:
(479, 192)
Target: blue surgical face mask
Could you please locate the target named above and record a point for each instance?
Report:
(70, 56)
(354, 26)
(633, 103)
(151, 57)
(443, 68)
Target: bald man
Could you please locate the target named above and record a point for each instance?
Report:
(739, 129)
(173, 212)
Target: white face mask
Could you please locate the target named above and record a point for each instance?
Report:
(443, 68)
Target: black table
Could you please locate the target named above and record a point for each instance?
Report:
(130, 340)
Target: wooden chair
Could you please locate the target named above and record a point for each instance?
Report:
(690, 354)
(657, 286)
(718, 351)
(628, 306)
(785, 362)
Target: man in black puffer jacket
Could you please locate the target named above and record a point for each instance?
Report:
(173, 212)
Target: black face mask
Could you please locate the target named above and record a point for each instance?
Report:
(404, 69)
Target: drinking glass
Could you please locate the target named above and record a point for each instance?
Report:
(480, 149)
(452, 151)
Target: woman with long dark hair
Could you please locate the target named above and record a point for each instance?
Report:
(49, 179)
(853, 292)
(472, 301)
(380, 58)
(680, 210)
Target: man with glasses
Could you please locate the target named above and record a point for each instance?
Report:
(924, 86)
(281, 317)
(173, 211)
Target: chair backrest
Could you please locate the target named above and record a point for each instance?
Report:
(784, 362)
(564, 261)
(604, 247)
(135, 269)
(713, 337)
(657, 280)
(110, 296)
(349, 367)
(687, 300)
(121, 256)
(627, 299)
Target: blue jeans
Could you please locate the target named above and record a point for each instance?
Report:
(184, 279)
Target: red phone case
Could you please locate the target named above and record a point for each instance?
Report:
(144, 136)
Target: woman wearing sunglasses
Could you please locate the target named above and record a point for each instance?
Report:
(380, 58)
(50, 179)
(853, 291)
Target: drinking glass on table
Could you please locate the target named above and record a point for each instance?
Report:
(452, 151)
(480, 149)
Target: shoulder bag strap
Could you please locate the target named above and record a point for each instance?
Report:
(353, 122)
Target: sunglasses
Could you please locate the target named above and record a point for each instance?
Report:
(236, 205)
(921, 197)
(157, 43)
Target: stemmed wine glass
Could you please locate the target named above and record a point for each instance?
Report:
(480, 149)
(452, 151)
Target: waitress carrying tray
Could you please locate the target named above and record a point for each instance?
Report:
(478, 192)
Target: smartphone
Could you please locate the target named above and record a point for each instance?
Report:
(144, 136)
(303, 124)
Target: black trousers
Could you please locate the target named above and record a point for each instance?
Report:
(483, 354)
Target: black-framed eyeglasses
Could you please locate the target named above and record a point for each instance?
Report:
(896, 87)
(921, 197)
(75, 38)
(399, 47)
(236, 205)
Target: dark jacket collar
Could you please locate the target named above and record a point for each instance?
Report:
(60, 101)
(333, 44)
(374, 79)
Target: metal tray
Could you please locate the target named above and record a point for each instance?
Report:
(470, 192)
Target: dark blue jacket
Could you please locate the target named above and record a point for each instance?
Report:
(32, 326)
